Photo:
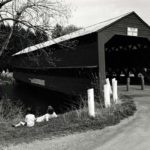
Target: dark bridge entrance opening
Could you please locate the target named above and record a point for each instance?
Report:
(127, 56)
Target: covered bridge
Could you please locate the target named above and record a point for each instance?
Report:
(68, 64)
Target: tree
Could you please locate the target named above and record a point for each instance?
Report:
(20, 39)
(70, 29)
(57, 32)
(34, 15)
(60, 30)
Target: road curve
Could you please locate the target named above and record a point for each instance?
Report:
(131, 134)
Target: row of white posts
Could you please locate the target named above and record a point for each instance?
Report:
(108, 91)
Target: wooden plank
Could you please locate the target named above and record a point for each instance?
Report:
(63, 81)
(101, 63)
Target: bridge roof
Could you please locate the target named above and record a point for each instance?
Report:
(85, 31)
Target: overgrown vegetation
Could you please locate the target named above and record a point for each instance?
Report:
(11, 110)
(59, 30)
(74, 121)
(78, 120)
(20, 39)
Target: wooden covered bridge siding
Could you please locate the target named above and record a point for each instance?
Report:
(80, 52)
(72, 66)
(72, 70)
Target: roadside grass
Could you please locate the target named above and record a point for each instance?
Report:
(68, 123)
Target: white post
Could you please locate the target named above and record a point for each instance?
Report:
(107, 95)
(107, 82)
(3, 73)
(91, 105)
(115, 92)
(113, 80)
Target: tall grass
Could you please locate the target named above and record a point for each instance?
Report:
(76, 120)
(11, 110)
(104, 116)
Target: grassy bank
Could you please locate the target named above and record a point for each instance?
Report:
(74, 121)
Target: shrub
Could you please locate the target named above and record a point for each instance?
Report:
(10, 110)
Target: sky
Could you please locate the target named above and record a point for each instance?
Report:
(87, 12)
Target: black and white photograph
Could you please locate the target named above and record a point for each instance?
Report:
(74, 75)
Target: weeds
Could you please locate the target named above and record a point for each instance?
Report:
(77, 120)
(74, 121)
(10, 110)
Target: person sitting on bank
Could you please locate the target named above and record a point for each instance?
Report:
(49, 115)
(29, 119)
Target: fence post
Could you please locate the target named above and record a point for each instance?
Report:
(107, 82)
(107, 95)
(128, 84)
(142, 82)
(91, 105)
(115, 92)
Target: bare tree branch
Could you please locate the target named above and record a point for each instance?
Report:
(3, 3)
